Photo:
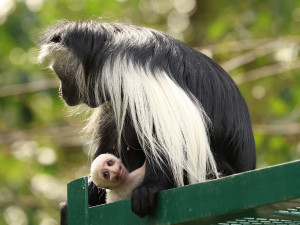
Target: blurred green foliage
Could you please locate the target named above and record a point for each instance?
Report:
(41, 148)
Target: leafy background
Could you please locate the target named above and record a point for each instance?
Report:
(41, 148)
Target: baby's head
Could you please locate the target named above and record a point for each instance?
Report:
(107, 171)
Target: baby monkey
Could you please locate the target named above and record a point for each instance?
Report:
(107, 171)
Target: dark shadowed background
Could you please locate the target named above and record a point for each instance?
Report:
(41, 147)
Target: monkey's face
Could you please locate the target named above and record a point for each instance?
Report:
(68, 90)
(67, 68)
(77, 85)
(107, 171)
(73, 83)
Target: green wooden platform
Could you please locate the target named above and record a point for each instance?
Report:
(265, 196)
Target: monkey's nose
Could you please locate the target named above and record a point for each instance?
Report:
(115, 171)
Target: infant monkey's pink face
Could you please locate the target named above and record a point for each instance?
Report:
(112, 170)
(108, 171)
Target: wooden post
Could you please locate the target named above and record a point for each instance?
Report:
(78, 202)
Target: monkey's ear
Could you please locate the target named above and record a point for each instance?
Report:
(56, 38)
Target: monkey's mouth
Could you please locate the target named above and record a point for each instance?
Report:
(120, 174)
(69, 95)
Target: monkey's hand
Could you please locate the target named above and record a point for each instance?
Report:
(143, 199)
(144, 196)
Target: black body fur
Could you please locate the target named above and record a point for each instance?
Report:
(92, 43)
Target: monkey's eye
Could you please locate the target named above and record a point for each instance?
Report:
(56, 39)
(110, 162)
(106, 175)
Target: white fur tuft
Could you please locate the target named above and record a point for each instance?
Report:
(168, 121)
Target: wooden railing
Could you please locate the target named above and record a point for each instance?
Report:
(265, 196)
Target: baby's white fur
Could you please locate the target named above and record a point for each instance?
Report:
(124, 190)
(116, 191)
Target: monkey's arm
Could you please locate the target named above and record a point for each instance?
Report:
(137, 174)
(144, 196)
(96, 197)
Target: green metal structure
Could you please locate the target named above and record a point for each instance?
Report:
(265, 196)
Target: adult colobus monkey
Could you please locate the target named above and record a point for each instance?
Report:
(167, 103)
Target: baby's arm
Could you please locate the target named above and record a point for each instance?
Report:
(134, 178)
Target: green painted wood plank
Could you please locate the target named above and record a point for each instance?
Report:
(78, 202)
(195, 203)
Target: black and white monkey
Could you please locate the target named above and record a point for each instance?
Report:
(107, 171)
(170, 105)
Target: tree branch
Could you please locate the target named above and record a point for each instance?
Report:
(234, 46)
(60, 135)
(253, 55)
(265, 71)
(39, 85)
(242, 45)
(277, 129)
